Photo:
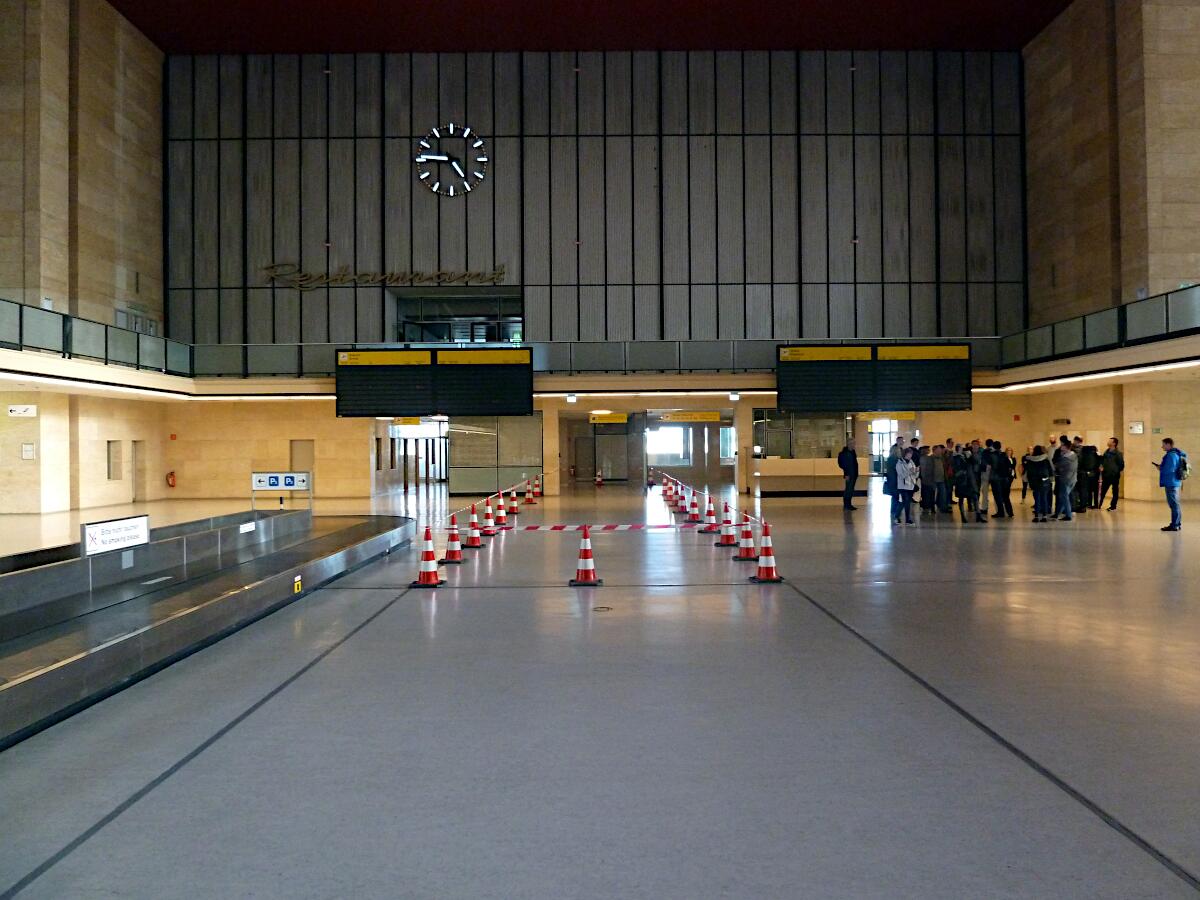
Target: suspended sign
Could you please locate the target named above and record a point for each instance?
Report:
(274, 481)
(691, 416)
(608, 418)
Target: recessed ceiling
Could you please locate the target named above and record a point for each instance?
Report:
(317, 26)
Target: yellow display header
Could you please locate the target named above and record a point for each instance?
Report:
(384, 357)
(872, 416)
(608, 418)
(820, 354)
(691, 416)
(518, 357)
(952, 351)
(406, 420)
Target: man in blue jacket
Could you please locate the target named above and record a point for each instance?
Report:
(1170, 477)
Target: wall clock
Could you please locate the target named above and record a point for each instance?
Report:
(451, 160)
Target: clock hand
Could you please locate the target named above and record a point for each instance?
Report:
(458, 169)
(433, 157)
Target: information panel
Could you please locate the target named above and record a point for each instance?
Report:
(115, 534)
(882, 377)
(452, 382)
(274, 481)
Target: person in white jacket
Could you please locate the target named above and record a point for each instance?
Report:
(908, 476)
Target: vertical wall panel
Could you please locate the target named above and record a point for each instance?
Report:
(814, 312)
(949, 66)
(646, 326)
(397, 96)
(761, 186)
(645, 92)
(980, 210)
(977, 88)
(674, 93)
(839, 92)
(286, 215)
(951, 209)
(841, 209)
(618, 93)
(479, 94)
(341, 206)
(731, 311)
(702, 202)
(1006, 93)
(923, 304)
(758, 312)
(920, 92)
(260, 316)
(179, 215)
(783, 91)
(397, 221)
(866, 91)
(314, 173)
(314, 316)
(564, 313)
(205, 92)
(452, 231)
(812, 91)
(563, 86)
(868, 307)
(1010, 252)
(785, 311)
(206, 224)
(452, 88)
(287, 316)
(285, 86)
(1010, 308)
(426, 227)
(537, 313)
(341, 95)
(591, 211)
(893, 90)
(260, 218)
(507, 90)
(231, 316)
(368, 193)
(756, 92)
(702, 92)
(895, 208)
(841, 311)
(728, 88)
(675, 213)
(314, 88)
(230, 213)
(179, 316)
(260, 93)
(179, 102)
(953, 309)
(341, 315)
(922, 209)
(619, 313)
(646, 196)
(676, 325)
(895, 310)
(368, 94)
(592, 312)
(618, 210)
(784, 222)
(731, 239)
(424, 103)
(981, 309)
(564, 212)
(368, 309)
(868, 224)
(704, 312)
(591, 93)
(481, 212)
(814, 226)
(230, 90)
(536, 159)
(205, 316)
(505, 174)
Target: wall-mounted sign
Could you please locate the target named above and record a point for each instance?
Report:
(691, 416)
(22, 410)
(115, 534)
(1137, 427)
(279, 481)
(608, 418)
(289, 275)
(28, 450)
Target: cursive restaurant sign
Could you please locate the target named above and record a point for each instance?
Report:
(289, 275)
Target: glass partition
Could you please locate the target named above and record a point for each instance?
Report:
(87, 339)
(41, 329)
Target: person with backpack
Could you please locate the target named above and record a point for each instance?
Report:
(1172, 472)
(1112, 464)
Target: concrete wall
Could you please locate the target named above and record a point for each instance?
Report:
(80, 159)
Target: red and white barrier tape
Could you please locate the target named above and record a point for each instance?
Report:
(607, 527)
(733, 509)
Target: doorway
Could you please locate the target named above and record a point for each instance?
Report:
(140, 484)
(303, 457)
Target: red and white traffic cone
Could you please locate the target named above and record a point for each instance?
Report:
(537, 486)
(585, 569)
(489, 524)
(599, 478)
(529, 501)
(513, 508)
(710, 518)
(473, 541)
(453, 547)
(666, 488)
(681, 505)
(767, 573)
(728, 539)
(501, 515)
(427, 577)
(746, 552)
(693, 510)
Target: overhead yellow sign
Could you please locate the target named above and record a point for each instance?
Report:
(822, 354)
(406, 420)
(608, 418)
(871, 416)
(384, 357)
(691, 416)
(952, 351)
(484, 357)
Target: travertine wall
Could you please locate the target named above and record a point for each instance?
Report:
(80, 159)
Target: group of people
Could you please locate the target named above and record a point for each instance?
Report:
(1072, 479)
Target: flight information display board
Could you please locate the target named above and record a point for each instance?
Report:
(454, 382)
(881, 377)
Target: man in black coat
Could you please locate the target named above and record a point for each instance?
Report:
(848, 462)
(1112, 464)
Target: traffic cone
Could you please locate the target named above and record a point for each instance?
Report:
(727, 536)
(767, 573)
(529, 501)
(537, 486)
(473, 541)
(585, 569)
(453, 547)
(666, 488)
(427, 577)
(489, 524)
(513, 508)
(746, 551)
(681, 506)
(693, 510)
(599, 478)
(501, 515)
(710, 518)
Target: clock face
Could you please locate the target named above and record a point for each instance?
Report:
(451, 160)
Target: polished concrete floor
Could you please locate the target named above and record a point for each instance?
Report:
(1003, 710)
